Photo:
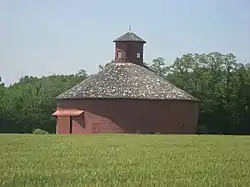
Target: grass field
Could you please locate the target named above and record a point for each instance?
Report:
(124, 160)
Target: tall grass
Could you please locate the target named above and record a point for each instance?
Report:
(124, 160)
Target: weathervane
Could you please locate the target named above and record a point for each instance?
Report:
(129, 28)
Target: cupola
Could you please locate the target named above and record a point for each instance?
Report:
(129, 48)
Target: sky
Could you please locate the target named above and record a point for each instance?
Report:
(45, 37)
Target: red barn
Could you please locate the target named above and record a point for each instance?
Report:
(126, 97)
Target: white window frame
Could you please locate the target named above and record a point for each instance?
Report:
(138, 55)
(119, 54)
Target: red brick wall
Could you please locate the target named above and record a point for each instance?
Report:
(131, 115)
(129, 52)
(79, 125)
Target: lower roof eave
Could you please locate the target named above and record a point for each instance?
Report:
(126, 98)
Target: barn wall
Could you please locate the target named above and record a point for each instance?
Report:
(79, 125)
(134, 115)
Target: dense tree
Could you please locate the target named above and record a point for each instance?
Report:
(29, 103)
(2, 94)
(217, 80)
(222, 85)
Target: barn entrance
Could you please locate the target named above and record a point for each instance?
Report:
(66, 118)
(70, 124)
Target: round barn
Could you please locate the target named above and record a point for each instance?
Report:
(126, 97)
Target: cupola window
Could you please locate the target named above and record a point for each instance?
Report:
(138, 55)
(119, 54)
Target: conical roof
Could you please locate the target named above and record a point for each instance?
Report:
(126, 80)
(128, 37)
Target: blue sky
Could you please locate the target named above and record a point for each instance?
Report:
(46, 37)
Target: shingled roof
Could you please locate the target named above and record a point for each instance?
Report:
(126, 80)
(129, 36)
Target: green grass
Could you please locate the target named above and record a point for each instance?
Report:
(124, 160)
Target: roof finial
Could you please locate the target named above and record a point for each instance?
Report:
(129, 28)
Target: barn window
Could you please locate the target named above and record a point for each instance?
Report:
(138, 55)
(119, 54)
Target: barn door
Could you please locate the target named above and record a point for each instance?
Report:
(70, 125)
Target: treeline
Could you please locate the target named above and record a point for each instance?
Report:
(29, 103)
(218, 80)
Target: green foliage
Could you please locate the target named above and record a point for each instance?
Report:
(218, 80)
(158, 66)
(124, 160)
(40, 131)
(29, 103)
(222, 85)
